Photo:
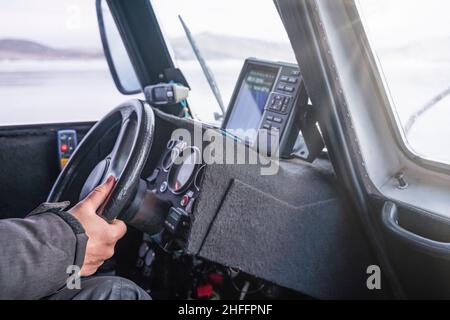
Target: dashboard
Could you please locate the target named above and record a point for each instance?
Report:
(207, 214)
(268, 97)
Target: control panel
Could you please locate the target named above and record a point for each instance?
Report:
(282, 99)
(267, 98)
(67, 143)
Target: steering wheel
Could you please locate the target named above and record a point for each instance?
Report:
(133, 124)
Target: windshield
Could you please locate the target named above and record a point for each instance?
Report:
(226, 33)
(411, 39)
(52, 66)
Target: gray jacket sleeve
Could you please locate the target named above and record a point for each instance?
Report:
(36, 252)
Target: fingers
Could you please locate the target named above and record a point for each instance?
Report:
(119, 229)
(100, 193)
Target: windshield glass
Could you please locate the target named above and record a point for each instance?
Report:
(52, 66)
(226, 33)
(411, 39)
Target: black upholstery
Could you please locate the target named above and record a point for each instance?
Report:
(29, 165)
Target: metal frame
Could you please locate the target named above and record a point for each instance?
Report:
(144, 42)
(310, 41)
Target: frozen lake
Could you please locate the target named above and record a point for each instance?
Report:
(45, 92)
(67, 91)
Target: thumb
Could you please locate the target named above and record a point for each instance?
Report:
(100, 193)
(119, 227)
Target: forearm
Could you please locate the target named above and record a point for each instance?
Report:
(35, 254)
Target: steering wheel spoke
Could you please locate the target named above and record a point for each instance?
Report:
(122, 149)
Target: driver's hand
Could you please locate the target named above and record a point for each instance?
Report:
(102, 235)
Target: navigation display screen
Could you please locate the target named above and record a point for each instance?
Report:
(251, 99)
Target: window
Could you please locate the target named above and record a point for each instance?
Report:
(52, 67)
(411, 39)
(226, 32)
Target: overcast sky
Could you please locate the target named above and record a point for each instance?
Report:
(73, 23)
(257, 19)
(60, 23)
(398, 22)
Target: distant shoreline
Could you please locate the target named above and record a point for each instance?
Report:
(213, 47)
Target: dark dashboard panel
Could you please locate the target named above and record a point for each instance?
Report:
(291, 228)
(28, 158)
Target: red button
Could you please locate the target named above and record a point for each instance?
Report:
(184, 200)
(64, 147)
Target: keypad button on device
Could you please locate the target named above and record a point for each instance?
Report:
(289, 89)
(277, 120)
(277, 106)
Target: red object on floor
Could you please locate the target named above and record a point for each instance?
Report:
(205, 291)
(215, 278)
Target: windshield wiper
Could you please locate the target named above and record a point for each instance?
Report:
(206, 71)
(416, 115)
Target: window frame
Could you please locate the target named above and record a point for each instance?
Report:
(171, 54)
(145, 44)
(391, 113)
(107, 52)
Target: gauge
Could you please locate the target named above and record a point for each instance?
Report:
(169, 159)
(183, 170)
(171, 144)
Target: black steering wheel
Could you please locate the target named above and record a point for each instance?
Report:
(133, 124)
